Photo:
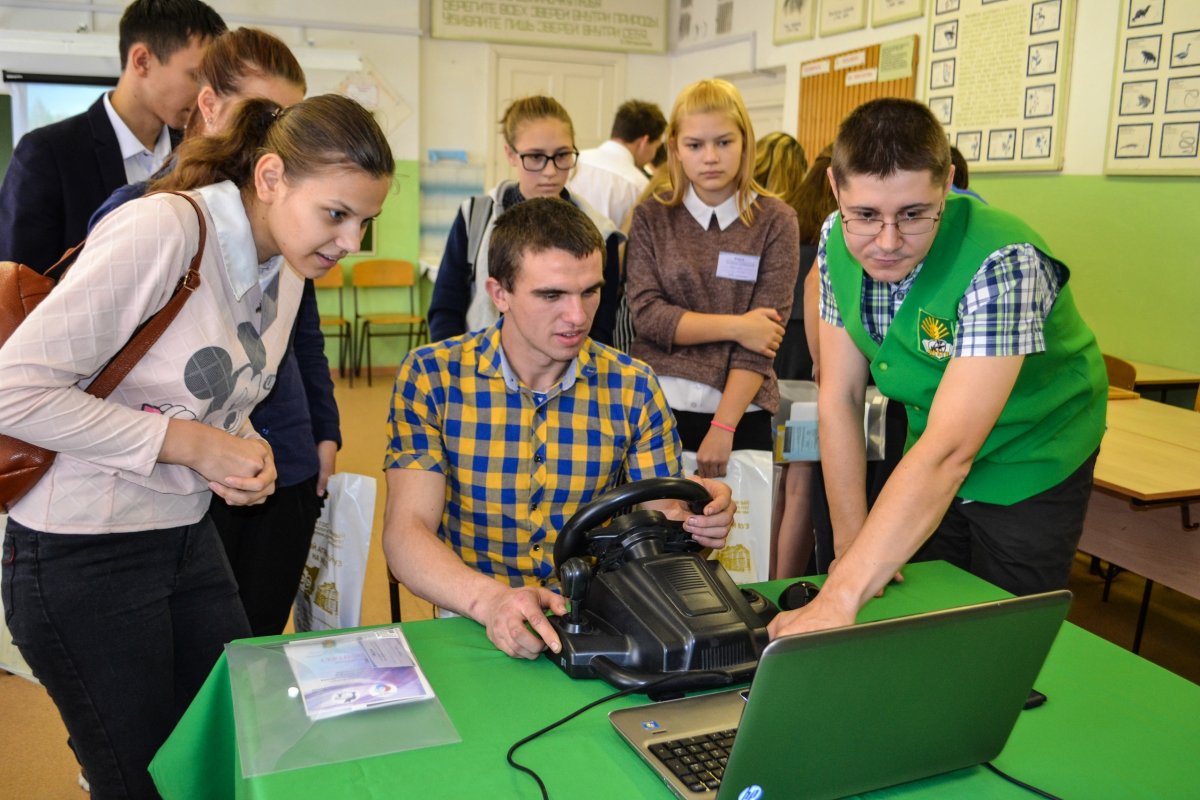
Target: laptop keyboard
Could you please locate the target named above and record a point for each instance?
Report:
(698, 761)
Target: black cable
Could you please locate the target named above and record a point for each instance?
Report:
(562, 721)
(571, 716)
(1022, 784)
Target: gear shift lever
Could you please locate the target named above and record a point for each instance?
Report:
(575, 575)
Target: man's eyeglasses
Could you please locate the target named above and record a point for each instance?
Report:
(536, 162)
(907, 226)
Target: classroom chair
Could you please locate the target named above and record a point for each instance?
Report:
(394, 274)
(1121, 373)
(340, 323)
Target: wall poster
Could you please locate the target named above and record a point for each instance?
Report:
(1154, 118)
(840, 16)
(885, 12)
(795, 20)
(632, 26)
(974, 50)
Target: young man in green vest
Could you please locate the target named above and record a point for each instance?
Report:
(959, 311)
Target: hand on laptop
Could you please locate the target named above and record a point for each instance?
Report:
(516, 620)
(818, 615)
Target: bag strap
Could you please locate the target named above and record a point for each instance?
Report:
(481, 213)
(150, 331)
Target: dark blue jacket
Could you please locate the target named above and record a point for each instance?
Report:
(58, 176)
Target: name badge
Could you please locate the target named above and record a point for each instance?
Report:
(737, 266)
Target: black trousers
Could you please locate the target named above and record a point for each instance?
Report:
(753, 431)
(122, 629)
(267, 546)
(1026, 547)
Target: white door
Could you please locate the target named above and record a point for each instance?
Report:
(589, 85)
(762, 92)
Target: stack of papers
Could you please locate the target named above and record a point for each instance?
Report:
(350, 672)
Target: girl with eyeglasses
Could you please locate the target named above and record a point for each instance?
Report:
(540, 145)
(711, 271)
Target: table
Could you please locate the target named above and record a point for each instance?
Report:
(1152, 376)
(1149, 458)
(1150, 453)
(1115, 725)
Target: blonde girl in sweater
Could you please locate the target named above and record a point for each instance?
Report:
(711, 271)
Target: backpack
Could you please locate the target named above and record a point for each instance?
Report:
(22, 289)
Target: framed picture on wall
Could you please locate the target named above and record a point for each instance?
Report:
(840, 16)
(885, 12)
(795, 20)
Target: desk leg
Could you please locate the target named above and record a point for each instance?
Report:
(1141, 623)
(1186, 511)
(1109, 574)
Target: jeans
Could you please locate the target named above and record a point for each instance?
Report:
(121, 629)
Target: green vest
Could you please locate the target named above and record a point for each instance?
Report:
(1054, 418)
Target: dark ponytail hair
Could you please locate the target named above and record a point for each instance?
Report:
(322, 132)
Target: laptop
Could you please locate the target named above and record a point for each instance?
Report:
(850, 710)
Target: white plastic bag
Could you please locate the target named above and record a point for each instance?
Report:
(751, 476)
(330, 593)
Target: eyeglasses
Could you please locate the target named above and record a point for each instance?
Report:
(907, 226)
(536, 162)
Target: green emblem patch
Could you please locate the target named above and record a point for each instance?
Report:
(935, 336)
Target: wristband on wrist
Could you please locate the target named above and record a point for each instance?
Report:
(722, 426)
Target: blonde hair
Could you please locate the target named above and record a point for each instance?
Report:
(780, 166)
(719, 97)
(531, 109)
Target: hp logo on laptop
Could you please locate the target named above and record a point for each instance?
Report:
(754, 792)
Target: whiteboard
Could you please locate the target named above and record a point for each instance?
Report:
(997, 75)
(1154, 117)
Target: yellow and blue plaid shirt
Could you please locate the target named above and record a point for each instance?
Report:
(518, 463)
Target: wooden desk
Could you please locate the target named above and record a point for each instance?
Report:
(1152, 377)
(1150, 452)
(1148, 469)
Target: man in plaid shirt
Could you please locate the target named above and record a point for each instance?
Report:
(499, 435)
(959, 311)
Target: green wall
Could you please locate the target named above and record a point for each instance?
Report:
(1133, 246)
(397, 235)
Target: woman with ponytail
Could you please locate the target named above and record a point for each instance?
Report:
(116, 588)
(267, 545)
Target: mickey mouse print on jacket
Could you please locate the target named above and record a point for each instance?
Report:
(215, 362)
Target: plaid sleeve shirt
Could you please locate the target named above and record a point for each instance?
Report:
(1002, 313)
(519, 463)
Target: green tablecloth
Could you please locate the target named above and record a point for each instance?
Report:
(1115, 726)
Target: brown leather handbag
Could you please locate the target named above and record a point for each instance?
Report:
(21, 290)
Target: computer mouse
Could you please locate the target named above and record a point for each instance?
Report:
(798, 595)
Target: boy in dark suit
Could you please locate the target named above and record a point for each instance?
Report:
(61, 173)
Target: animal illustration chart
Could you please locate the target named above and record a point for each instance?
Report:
(973, 49)
(1154, 123)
